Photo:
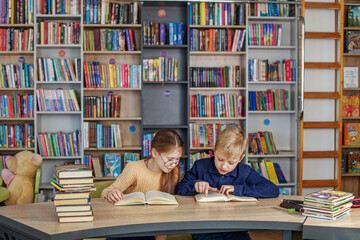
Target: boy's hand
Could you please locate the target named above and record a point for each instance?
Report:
(204, 187)
(227, 189)
(115, 196)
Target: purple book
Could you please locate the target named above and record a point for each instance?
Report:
(162, 34)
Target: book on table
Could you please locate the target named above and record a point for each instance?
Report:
(151, 198)
(76, 219)
(59, 195)
(219, 197)
(329, 197)
(77, 213)
(75, 201)
(73, 171)
(73, 208)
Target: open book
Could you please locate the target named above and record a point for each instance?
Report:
(219, 197)
(151, 197)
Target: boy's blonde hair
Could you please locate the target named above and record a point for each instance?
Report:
(232, 142)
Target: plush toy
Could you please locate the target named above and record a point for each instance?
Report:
(20, 177)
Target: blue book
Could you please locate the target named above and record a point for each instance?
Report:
(190, 13)
(127, 36)
(279, 173)
(96, 11)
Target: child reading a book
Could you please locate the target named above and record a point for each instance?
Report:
(160, 172)
(224, 173)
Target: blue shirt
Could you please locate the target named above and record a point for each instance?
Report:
(246, 181)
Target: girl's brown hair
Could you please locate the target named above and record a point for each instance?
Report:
(164, 141)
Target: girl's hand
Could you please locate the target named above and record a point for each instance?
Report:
(227, 189)
(204, 187)
(115, 196)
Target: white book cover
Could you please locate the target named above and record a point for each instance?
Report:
(351, 77)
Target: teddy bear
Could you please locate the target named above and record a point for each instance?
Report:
(20, 176)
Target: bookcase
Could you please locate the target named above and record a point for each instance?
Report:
(350, 181)
(197, 82)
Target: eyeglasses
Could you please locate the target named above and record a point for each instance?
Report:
(170, 162)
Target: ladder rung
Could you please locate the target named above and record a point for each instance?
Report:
(322, 65)
(322, 5)
(321, 95)
(320, 154)
(321, 125)
(330, 35)
(320, 183)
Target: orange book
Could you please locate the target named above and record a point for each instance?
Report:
(263, 143)
(352, 134)
(211, 40)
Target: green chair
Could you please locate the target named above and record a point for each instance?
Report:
(4, 194)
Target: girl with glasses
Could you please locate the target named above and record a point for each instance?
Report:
(160, 172)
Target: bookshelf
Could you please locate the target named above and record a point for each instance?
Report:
(148, 105)
(349, 181)
(16, 88)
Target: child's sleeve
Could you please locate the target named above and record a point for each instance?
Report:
(186, 187)
(125, 180)
(255, 185)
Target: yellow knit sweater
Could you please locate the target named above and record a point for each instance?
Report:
(136, 177)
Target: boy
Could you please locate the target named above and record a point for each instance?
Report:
(225, 174)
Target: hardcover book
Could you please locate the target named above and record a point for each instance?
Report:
(351, 106)
(353, 42)
(353, 16)
(151, 198)
(351, 134)
(73, 171)
(354, 162)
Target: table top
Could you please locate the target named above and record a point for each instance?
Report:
(188, 217)
(345, 227)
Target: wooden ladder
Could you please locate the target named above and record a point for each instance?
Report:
(336, 96)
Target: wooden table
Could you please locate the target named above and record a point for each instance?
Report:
(346, 227)
(39, 221)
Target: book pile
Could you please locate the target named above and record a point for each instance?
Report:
(327, 204)
(72, 186)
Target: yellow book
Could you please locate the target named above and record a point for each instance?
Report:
(103, 84)
(271, 171)
(202, 13)
(111, 79)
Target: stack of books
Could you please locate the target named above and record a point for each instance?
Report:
(327, 204)
(72, 186)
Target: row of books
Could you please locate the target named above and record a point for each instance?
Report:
(350, 162)
(272, 10)
(98, 75)
(58, 32)
(106, 106)
(215, 40)
(268, 169)
(107, 12)
(351, 134)
(199, 155)
(228, 76)
(351, 106)
(101, 39)
(208, 13)
(205, 135)
(281, 70)
(72, 185)
(161, 34)
(270, 100)
(72, 7)
(59, 144)
(219, 105)
(264, 34)
(63, 100)
(12, 76)
(16, 11)
(16, 106)
(160, 69)
(262, 143)
(110, 164)
(17, 136)
(16, 39)
(327, 204)
(97, 135)
(52, 69)
(146, 144)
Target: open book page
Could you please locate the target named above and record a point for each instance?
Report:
(134, 198)
(157, 197)
(219, 197)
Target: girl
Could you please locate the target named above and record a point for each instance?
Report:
(160, 172)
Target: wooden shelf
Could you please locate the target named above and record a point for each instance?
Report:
(350, 147)
(217, 88)
(61, 157)
(17, 25)
(114, 149)
(219, 26)
(215, 118)
(351, 89)
(17, 89)
(350, 174)
(351, 54)
(114, 119)
(271, 112)
(326, 35)
(351, 118)
(195, 53)
(112, 25)
(17, 149)
(112, 89)
(271, 83)
(322, 5)
(320, 95)
(17, 119)
(16, 52)
(164, 46)
(321, 125)
(320, 154)
(322, 65)
(112, 52)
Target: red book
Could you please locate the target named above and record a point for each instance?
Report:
(46, 25)
(212, 106)
(126, 71)
(10, 106)
(229, 40)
